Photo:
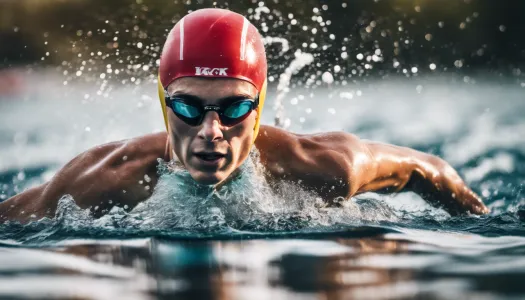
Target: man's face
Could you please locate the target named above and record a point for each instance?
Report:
(211, 151)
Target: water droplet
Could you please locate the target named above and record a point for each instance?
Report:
(327, 77)
(458, 63)
(147, 178)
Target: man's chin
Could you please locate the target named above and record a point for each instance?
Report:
(206, 178)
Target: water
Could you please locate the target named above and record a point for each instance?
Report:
(260, 243)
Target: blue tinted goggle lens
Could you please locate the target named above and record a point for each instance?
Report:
(238, 109)
(186, 110)
(193, 115)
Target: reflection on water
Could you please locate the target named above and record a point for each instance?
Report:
(374, 267)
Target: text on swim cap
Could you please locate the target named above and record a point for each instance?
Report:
(200, 71)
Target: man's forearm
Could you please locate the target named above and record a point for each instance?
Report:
(389, 168)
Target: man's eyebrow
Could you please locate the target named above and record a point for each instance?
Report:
(184, 96)
(225, 100)
(234, 98)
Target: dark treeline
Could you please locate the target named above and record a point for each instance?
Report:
(359, 37)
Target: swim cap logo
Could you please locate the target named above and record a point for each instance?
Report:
(200, 71)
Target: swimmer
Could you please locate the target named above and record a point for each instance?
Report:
(212, 87)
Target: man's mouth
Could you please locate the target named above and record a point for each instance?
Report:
(210, 156)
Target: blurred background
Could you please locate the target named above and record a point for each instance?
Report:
(353, 40)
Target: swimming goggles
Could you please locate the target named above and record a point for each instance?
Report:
(186, 107)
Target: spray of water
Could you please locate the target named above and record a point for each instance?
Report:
(300, 61)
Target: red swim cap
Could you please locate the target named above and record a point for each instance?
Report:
(214, 43)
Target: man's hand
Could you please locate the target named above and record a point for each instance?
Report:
(442, 186)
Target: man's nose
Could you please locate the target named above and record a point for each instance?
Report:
(211, 127)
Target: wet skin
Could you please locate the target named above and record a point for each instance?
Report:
(333, 164)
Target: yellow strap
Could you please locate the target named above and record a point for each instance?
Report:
(160, 90)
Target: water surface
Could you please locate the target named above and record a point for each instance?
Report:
(285, 246)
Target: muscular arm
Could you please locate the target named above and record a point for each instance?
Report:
(340, 164)
(403, 169)
(104, 176)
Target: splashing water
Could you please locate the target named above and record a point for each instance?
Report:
(285, 46)
(247, 203)
(300, 61)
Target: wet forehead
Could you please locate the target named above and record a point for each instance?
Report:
(212, 89)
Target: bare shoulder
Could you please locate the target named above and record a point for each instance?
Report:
(271, 137)
(322, 161)
(117, 173)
